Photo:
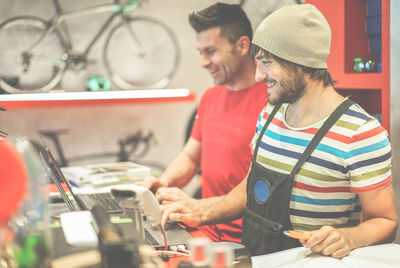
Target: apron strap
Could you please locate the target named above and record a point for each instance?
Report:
(269, 119)
(339, 111)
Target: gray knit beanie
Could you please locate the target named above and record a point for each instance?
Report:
(296, 33)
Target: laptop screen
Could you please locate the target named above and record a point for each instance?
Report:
(58, 178)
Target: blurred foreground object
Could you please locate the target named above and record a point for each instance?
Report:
(27, 223)
(13, 180)
(13, 186)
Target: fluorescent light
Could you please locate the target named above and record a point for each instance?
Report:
(100, 95)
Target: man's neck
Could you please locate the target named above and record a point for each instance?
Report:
(316, 104)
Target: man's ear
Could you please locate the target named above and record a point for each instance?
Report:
(243, 45)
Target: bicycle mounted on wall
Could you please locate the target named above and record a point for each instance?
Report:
(36, 52)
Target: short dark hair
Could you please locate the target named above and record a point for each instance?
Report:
(231, 20)
(315, 74)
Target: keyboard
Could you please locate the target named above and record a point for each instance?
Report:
(103, 199)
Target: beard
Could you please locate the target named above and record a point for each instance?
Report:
(290, 88)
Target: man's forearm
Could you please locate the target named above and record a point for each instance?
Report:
(222, 208)
(379, 219)
(374, 231)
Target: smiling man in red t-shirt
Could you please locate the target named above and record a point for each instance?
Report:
(226, 117)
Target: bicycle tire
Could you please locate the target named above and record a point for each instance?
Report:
(129, 70)
(45, 68)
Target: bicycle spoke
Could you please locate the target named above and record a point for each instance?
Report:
(134, 40)
(130, 58)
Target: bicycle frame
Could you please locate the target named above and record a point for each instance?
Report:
(60, 17)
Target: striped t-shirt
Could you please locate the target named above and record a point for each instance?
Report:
(353, 157)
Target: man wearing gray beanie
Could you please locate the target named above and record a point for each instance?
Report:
(321, 164)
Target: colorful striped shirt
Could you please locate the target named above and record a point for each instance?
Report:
(353, 157)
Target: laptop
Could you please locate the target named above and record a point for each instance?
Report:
(77, 202)
(176, 234)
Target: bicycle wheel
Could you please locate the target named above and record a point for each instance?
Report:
(25, 68)
(140, 53)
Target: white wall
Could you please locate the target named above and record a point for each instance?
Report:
(97, 128)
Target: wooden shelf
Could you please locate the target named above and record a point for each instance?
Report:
(360, 80)
(56, 99)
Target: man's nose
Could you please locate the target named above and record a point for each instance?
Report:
(205, 61)
(260, 75)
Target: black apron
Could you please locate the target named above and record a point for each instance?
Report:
(267, 212)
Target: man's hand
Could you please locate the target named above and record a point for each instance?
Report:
(153, 184)
(328, 241)
(179, 212)
(173, 194)
(206, 211)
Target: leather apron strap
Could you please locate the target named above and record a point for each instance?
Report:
(269, 120)
(342, 108)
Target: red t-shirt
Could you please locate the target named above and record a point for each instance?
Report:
(225, 124)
